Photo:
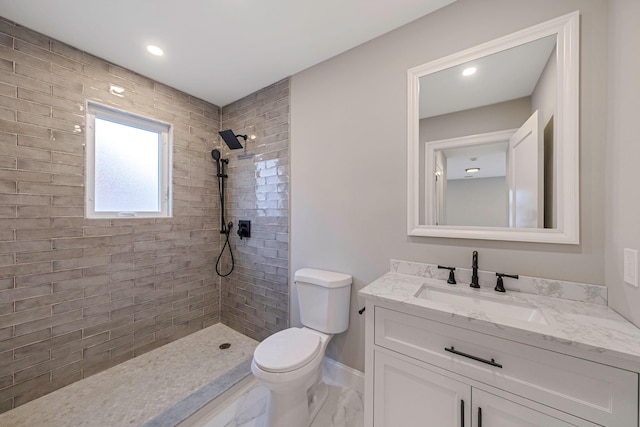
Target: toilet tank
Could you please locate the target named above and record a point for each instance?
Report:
(324, 298)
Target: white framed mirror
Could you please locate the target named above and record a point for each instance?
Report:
(493, 139)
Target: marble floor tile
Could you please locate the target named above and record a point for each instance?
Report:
(343, 408)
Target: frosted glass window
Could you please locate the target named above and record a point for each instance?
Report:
(127, 165)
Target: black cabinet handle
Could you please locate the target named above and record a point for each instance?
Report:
(462, 413)
(491, 362)
(479, 416)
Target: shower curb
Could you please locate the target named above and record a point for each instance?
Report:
(197, 400)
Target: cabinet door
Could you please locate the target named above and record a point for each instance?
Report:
(408, 395)
(493, 411)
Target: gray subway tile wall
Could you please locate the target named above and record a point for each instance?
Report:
(255, 297)
(78, 296)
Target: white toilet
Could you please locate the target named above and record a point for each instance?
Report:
(289, 362)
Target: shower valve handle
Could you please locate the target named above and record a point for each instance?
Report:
(244, 229)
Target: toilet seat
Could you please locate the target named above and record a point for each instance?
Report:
(287, 350)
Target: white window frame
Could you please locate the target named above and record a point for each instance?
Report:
(165, 130)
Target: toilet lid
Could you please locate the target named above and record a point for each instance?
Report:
(287, 350)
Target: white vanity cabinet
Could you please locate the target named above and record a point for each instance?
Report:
(491, 410)
(410, 396)
(423, 372)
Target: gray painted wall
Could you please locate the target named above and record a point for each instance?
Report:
(477, 201)
(490, 118)
(349, 156)
(623, 153)
(544, 95)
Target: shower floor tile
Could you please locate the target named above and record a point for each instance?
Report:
(136, 391)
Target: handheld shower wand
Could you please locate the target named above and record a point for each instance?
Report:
(220, 163)
(224, 227)
(216, 156)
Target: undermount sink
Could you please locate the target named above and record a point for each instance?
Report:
(493, 307)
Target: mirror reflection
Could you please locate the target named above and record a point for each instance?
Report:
(486, 134)
(493, 139)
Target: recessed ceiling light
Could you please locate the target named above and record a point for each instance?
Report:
(472, 170)
(469, 71)
(116, 90)
(155, 50)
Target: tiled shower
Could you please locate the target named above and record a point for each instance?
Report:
(78, 296)
(255, 297)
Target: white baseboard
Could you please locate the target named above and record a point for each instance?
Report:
(343, 375)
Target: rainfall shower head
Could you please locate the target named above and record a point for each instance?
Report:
(232, 139)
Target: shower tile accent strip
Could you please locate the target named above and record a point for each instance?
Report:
(198, 400)
(594, 294)
(255, 297)
(78, 296)
(160, 388)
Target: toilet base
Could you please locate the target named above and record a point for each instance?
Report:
(295, 409)
(295, 397)
(317, 400)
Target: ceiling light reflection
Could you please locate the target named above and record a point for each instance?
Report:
(155, 50)
(469, 71)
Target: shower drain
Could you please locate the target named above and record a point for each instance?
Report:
(225, 346)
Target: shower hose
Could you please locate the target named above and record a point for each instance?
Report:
(226, 244)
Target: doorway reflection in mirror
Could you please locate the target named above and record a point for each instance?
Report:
(511, 92)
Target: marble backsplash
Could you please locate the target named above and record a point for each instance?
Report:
(594, 294)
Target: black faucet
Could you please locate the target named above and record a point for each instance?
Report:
(474, 268)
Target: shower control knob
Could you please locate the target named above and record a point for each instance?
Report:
(500, 284)
(244, 229)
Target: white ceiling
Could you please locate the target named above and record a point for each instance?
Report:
(217, 50)
(506, 75)
(490, 158)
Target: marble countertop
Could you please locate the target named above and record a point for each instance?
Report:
(582, 325)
